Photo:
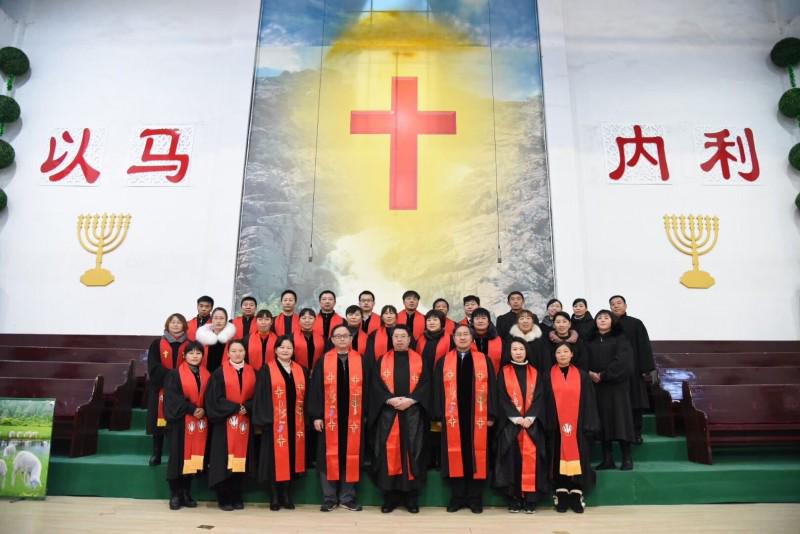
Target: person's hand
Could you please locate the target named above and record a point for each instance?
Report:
(490, 422)
(199, 413)
(647, 377)
(318, 426)
(526, 423)
(517, 420)
(594, 376)
(242, 410)
(393, 402)
(404, 404)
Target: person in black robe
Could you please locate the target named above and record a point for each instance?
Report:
(526, 329)
(410, 409)
(353, 322)
(563, 332)
(338, 492)
(553, 306)
(485, 337)
(448, 325)
(610, 365)
(264, 418)
(516, 303)
(388, 322)
(432, 349)
(285, 321)
(466, 490)
(176, 407)
(219, 409)
(582, 320)
(643, 362)
(570, 490)
(511, 422)
(215, 337)
(175, 335)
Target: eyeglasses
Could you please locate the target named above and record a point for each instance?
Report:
(342, 336)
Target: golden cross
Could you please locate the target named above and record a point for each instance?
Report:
(300, 434)
(480, 375)
(166, 354)
(355, 380)
(415, 378)
(353, 427)
(279, 391)
(450, 375)
(452, 422)
(387, 373)
(480, 403)
(332, 425)
(480, 423)
(300, 386)
(329, 377)
(354, 402)
(281, 441)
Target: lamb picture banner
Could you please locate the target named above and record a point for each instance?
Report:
(26, 427)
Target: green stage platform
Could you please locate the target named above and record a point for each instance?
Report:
(662, 475)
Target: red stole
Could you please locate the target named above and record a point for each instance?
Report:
(527, 447)
(257, 354)
(451, 422)
(165, 350)
(393, 459)
(331, 416)
(380, 344)
(238, 322)
(373, 323)
(278, 324)
(419, 322)
(280, 425)
(336, 320)
(191, 329)
(449, 327)
(495, 352)
(301, 355)
(195, 431)
(238, 426)
(360, 342)
(442, 346)
(567, 394)
(464, 321)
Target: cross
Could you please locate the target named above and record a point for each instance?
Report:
(332, 425)
(166, 354)
(450, 375)
(404, 122)
(480, 375)
(329, 377)
(300, 386)
(281, 441)
(353, 427)
(300, 434)
(452, 422)
(355, 380)
(279, 392)
(480, 423)
(387, 373)
(415, 378)
(354, 402)
(480, 403)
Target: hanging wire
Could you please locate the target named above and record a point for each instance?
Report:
(494, 138)
(316, 137)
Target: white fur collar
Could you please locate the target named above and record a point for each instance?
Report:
(206, 336)
(516, 332)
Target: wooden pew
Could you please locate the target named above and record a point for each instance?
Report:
(76, 341)
(693, 360)
(739, 414)
(79, 404)
(118, 378)
(724, 346)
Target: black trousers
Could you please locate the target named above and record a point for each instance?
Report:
(637, 422)
(397, 497)
(466, 491)
(182, 483)
(565, 482)
(229, 491)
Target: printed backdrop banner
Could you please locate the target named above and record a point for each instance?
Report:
(397, 145)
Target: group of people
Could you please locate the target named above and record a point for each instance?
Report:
(516, 403)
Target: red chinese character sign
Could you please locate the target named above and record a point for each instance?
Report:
(635, 154)
(160, 156)
(73, 156)
(727, 156)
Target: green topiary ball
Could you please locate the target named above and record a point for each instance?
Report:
(9, 109)
(6, 154)
(796, 200)
(794, 156)
(13, 61)
(3, 200)
(785, 52)
(789, 103)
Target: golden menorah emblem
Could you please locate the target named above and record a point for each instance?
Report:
(100, 235)
(694, 236)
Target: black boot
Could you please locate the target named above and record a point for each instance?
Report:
(608, 458)
(175, 494)
(627, 461)
(576, 501)
(186, 494)
(158, 446)
(285, 496)
(561, 500)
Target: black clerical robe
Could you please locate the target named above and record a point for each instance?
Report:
(611, 356)
(642, 358)
(412, 421)
(176, 407)
(156, 374)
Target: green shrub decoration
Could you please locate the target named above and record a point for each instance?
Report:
(9, 109)
(794, 156)
(6, 154)
(3, 200)
(785, 53)
(13, 61)
(789, 104)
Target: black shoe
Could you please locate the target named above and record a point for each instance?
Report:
(413, 508)
(515, 506)
(274, 506)
(285, 499)
(155, 459)
(453, 507)
(576, 501)
(227, 507)
(175, 502)
(187, 500)
(605, 465)
(530, 508)
(638, 440)
(352, 506)
(274, 500)
(561, 500)
(238, 505)
(476, 508)
(627, 465)
(627, 461)
(388, 508)
(327, 507)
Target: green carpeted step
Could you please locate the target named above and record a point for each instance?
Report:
(138, 418)
(124, 442)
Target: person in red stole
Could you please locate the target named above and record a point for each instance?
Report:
(399, 407)
(215, 336)
(520, 466)
(443, 306)
(573, 422)
(204, 306)
(279, 410)
(287, 322)
(410, 316)
(353, 321)
(370, 321)
(165, 354)
(261, 346)
(327, 319)
(471, 303)
(187, 426)
(229, 403)
(336, 404)
(486, 339)
(464, 402)
(380, 341)
(246, 323)
(308, 345)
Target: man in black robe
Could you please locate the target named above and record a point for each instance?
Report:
(410, 409)
(467, 490)
(335, 492)
(516, 303)
(643, 364)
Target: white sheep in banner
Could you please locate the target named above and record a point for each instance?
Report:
(3, 471)
(27, 464)
(11, 434)
(9, 451)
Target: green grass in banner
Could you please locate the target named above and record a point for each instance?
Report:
(662, 475)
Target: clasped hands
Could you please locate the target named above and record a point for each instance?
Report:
(400, 404)
(524, 422)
